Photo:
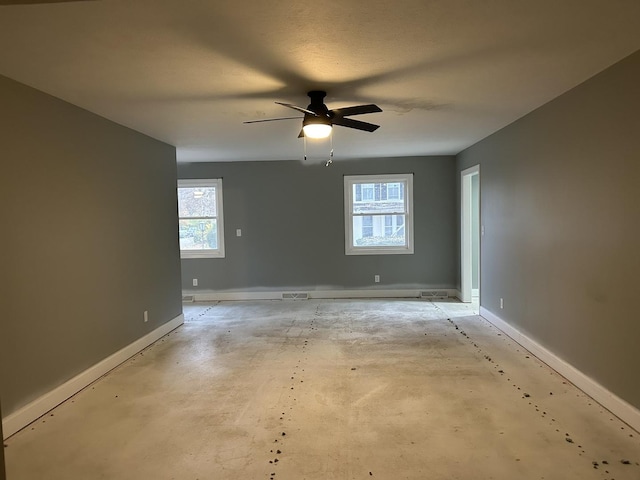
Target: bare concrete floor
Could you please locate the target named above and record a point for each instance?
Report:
(329, 390)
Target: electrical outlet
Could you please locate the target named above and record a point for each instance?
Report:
(145, 316)
(376, 278)
(238, 232)
(195, 282)
(501, 303)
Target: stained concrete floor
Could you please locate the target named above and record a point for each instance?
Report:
(346, 389)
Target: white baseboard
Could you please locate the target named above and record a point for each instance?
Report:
(34, 410)
(619, 407)
(316, 294)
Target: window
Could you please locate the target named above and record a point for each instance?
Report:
(378, 214)
(367, 226)
(393, 191)
(367, 192)
(200, 218)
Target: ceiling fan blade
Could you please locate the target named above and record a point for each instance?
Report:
(358, 125)
(357, 110)
(272, 119)
(300, 109)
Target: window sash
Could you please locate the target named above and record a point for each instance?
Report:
(392, 203)
(207, 240)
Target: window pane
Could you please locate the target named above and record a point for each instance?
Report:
(198, 234)
(378, 231)
(379, 198)
(197, 202)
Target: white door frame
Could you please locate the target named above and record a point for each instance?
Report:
(466, 232)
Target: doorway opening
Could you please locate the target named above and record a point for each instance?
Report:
(470, 234)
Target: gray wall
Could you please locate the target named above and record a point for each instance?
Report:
(292, 220)
(561, 209)
(89, 240)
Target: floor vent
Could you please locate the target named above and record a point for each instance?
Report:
(295, 296)
(187, 298)
(434, 294)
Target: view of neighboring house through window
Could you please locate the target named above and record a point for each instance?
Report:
(200, 218)
(378, 214)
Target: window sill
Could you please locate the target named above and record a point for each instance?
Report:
(379, 251)
(185, 255)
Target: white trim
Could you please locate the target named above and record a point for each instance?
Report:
(316, 294)
(207, 182)
(475, 292)
(349, 182)
(616, 405)
(40, 406)
(466, 208)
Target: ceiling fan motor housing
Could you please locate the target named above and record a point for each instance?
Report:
(318, 107)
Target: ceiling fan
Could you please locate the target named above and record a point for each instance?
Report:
(318, 120)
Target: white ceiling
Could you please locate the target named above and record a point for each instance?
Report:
(447, 73)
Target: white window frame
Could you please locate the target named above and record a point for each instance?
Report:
(209, 253)
(349, 182)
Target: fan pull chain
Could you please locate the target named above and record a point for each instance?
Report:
(330, 161)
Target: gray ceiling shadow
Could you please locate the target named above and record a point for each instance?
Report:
(225, 37)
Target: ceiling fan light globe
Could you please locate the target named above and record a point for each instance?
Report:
(317, 130)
